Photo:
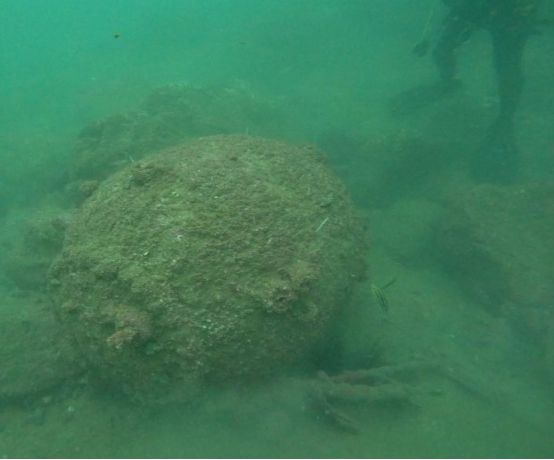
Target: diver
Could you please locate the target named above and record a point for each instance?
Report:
(510, 24)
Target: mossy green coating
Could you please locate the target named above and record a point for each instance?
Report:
(217, 261)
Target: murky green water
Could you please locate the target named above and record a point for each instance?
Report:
(462, 256)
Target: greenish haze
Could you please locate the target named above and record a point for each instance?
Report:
(472, 264)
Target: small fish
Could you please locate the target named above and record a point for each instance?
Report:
(116, 35)
(380, 297)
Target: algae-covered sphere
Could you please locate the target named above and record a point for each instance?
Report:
(218, 261)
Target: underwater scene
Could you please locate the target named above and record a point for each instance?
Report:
(277, 228)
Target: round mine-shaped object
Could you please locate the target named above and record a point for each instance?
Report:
(218, 261)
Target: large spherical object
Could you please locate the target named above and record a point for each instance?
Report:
(221, 260)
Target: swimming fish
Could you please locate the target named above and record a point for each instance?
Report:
(380, 297)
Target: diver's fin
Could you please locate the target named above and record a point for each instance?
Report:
(415, 99)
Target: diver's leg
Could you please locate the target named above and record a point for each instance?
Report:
(455, 31)
(508, 64)
(498, 159)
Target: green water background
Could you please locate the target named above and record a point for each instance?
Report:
(334, 65)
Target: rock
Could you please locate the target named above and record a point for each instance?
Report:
(34, 357)
(407, 229)
(498, 243)
(388, 167)
(215, 262)
(168, 116)
(38, 241)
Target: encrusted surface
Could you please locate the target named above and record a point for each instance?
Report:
(220, 260)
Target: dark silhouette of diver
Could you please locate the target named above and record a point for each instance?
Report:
(510, 24)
